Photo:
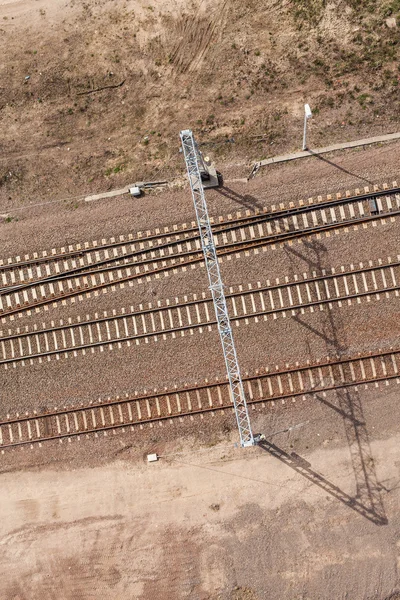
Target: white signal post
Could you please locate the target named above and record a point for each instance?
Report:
(307, 115)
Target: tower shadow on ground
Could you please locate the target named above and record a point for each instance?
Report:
(245, 200)
(368, 499)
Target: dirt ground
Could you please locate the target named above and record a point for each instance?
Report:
(237, 72)
(217, 522)
(313, 514)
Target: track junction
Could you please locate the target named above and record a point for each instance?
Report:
(53, 278)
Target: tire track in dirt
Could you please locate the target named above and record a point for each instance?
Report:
(196, 34)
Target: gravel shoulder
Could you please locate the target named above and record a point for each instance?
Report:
(59, 224)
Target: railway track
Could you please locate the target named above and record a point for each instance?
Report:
(261, 388)
(181, 316)
(38, 281)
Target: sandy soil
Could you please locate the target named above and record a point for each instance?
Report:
(313, 516)
(215, 523)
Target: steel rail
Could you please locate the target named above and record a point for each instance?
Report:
(231, 247)
(272, 239)
(83, 270)
(208, 409)
(206, 385)
(121, 260)
(221, 227)
(172, 330)
(266, 288)
(221, 251)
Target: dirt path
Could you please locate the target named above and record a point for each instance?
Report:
(210, 524)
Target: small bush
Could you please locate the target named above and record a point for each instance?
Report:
(364, 99)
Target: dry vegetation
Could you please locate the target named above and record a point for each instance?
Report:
(93, 95)
(236, 72)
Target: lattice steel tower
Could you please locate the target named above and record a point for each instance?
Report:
(192, 159)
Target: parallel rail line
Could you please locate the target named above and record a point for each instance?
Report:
(261, 388)
(21, 276)
(180, 234)
(52, 289)
(177, 317)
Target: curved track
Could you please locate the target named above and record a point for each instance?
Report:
(177, 317)
(250, 232)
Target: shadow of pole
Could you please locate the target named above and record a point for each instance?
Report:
(314, 246)
(368, 499)
(367, 484)
(301, 466)
(330, 162)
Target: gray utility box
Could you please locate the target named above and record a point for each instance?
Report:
(209, 177)
(135, 191)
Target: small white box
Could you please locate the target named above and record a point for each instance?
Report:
(152, 457)
(135, 191)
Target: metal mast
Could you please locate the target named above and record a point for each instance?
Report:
(192, 154)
